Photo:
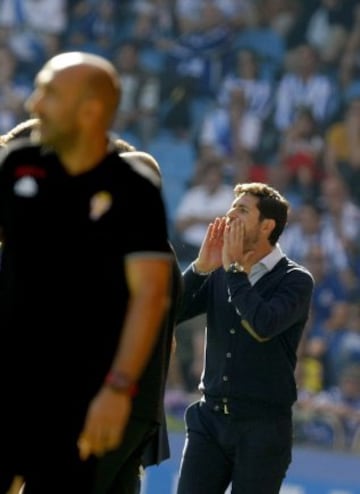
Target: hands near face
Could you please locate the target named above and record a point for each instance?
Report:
(210, 257)
(234, 246)
(222, 245)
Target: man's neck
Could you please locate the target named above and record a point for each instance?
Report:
(261, 253)
(83, 157)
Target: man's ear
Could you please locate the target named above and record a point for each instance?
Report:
(268, 225)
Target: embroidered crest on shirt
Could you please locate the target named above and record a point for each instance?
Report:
(26, 187)
(100, 203)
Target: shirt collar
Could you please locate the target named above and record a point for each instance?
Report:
(270, 260)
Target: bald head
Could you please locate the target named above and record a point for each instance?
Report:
(92, 75)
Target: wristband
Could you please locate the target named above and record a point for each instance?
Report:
(120, 383)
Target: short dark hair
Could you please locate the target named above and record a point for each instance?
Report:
(271, 205)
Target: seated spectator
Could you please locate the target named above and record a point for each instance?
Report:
(304, 84)
(246, 75)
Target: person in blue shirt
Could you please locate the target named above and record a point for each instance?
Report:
(256, 302)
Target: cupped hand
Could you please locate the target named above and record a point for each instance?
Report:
(210, 257)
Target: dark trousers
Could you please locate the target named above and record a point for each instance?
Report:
(251, 455)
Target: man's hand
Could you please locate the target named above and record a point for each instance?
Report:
(233, 248)
(105, 423)
(209, 257)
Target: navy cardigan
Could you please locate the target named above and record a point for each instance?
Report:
(252, 335)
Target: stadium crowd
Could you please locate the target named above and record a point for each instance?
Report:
(227, 91)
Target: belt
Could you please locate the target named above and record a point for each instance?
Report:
(245, 409)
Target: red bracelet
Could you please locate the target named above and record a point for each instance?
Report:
(120, 383)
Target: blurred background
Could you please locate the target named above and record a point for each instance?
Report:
(226, 91)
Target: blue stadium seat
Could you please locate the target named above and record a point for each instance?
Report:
(176, 156)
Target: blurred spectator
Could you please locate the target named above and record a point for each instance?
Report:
(190, 351)
(296, 35)
(328, 28)
(308, 231)
(329, 316)
(154, 19)
(353, 42)
(301, 150)
(237, 13)
(245, 75)
(341, 212)
(334, 412)
(94, 27)
(152, 25)
(304, 84)
(347, 349)
(348, 80)
(233, 132)
(342, 140)
(200, 53)
(188, 14)
(309, 375)
(280, 15)
(33, 29)
(200, 205)
(13, 91)
(139, 110)
(280, 178)
(263, 38)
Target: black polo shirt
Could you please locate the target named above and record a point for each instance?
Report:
(64, 293)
